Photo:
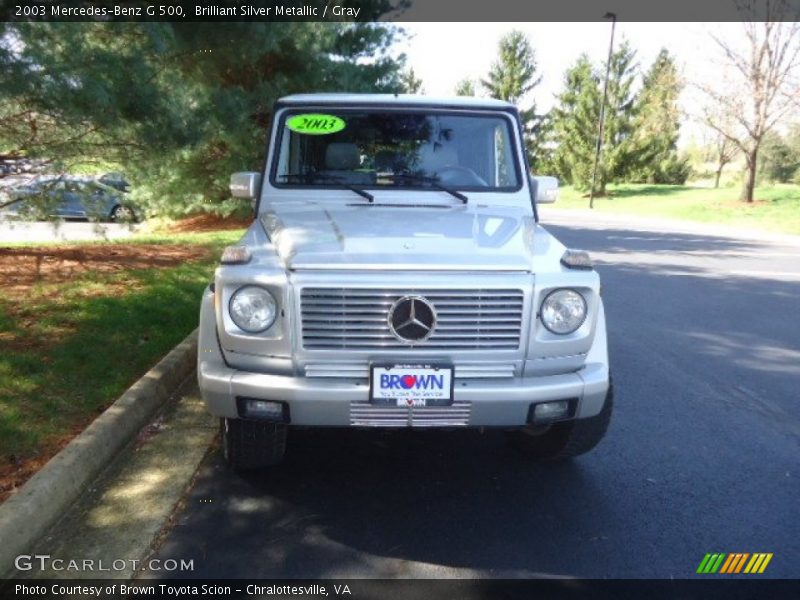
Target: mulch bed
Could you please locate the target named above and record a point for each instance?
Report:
(24, 267)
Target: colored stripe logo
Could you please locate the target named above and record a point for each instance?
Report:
(734, 562)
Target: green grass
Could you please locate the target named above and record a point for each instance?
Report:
(777, 208)
(70, 349)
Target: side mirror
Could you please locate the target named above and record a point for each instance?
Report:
(245, 185)
(545, 189)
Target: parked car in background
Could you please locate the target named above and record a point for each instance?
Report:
(19, 166)
(33, 165)
(16, 166)
(67, 198)
(116, 181)
(9, 166)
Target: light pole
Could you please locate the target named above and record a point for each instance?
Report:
(598, 149)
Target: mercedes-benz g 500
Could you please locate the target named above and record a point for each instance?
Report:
(396, 275)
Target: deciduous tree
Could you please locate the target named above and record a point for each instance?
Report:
(762, 87)
(724, 152)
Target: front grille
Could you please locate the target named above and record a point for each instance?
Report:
(363, 414)
(344, 370)
(356, 319)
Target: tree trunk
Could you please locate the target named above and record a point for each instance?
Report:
(719, 174)
(750, 177)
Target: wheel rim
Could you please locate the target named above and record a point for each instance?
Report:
(123, 213)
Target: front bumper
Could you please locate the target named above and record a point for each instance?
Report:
(344, 402)
(322, 402)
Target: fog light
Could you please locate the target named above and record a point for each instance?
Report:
(268, 410)
(550, 411)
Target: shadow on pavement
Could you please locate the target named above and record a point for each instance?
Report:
(647, 240)
(345, 499)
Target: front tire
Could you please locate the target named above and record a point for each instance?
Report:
(252, 444)
(567, 439)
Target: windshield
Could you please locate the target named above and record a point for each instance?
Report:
(409, 149)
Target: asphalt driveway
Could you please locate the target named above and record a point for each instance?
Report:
(703, 453)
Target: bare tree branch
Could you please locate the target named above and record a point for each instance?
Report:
(765, 87)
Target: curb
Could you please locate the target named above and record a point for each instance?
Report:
(39, 504)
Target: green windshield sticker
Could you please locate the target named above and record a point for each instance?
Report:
(314, 124)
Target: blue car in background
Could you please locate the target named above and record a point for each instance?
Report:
(67, 198)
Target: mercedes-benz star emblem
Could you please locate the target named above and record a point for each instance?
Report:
(412, 319)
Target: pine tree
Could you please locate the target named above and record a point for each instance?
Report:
(465, 87)
(178, 107)
(513, 76)
(576, 121)
(544, 147)
(410, 83)
(657, 125)
(574, 124)
(618, 153)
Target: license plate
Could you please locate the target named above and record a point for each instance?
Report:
(411, 385)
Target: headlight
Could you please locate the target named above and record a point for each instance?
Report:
(563, 311)
(253, 309)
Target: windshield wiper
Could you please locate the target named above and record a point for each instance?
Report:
(311, 177)
(434, 183)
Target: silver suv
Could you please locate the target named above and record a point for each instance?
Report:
(396, 275)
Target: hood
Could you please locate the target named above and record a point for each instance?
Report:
(316, 235)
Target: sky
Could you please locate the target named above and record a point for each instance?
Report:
(442, 54)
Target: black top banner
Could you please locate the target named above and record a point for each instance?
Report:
(401, 10)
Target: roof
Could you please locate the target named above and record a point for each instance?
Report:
(397, 99)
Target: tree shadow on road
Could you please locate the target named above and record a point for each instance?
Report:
(649, 190)
(649, 241)
(353, 503)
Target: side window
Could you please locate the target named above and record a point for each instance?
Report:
(283, 156)
(51, 187)
(503, 161)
